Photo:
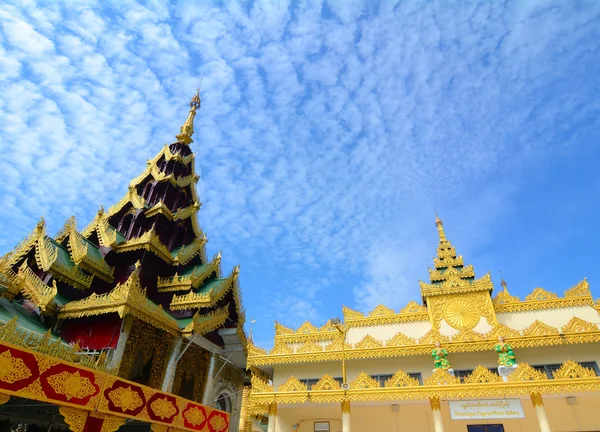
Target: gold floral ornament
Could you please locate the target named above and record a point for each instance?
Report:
(163, 408)
(194, 416)
(218, 423)
(577, 325)
(538, 328)
(400, 339)
(12, 369)
(293, 384)
(368, 342)
(570, 369)
(524, 372)
(74, 417)
(441, 377)
(125, 398)
(327, 383)
(72, 385)
(364, 381)
(582, 289)
(540, 294)
(401, 379)
(461, 314)
(482, 375)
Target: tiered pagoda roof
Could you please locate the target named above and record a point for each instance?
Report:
(144, 257)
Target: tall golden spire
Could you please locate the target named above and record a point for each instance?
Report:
(440, 227)
(187, 130)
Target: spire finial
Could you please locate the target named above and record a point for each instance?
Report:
(503, 282)
(187, 130)
(440, 227)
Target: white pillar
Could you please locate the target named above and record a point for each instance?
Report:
(169, 377)
(118, 352)
(272, 417)
(540, 412)
(436, 412)
(209, 381)
(346, 416)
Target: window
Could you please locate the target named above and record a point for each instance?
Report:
(223, 403)
(549, 369)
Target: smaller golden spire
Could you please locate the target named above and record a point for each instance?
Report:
(440, 227)
(503, 282)
(187, 130)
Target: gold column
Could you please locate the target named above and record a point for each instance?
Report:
(272, 417)
(345, 415)
(540, 412)
(436, 411)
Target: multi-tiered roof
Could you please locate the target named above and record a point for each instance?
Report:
(143, 257)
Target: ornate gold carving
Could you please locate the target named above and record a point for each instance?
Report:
(413, 307)
(351, 314)
(45, 344)
(536, 399)
(368, 342)
(364, 381)
(72, 385)
(309, 347)
(74, 417)
(218, 423)
(461, 313)
(539, 294)
(307, 327)
(35, 289)
(448, 262)
(456, 285)
(207, 322)
(570, 369)
(345, 406)
(163, 408)
(538, 328)
(292, 385)
(504, 331)
(4, 398)
(272, 409)
(504, 297)
(195, 279)
(441, 377)
(107, 235)
(109, 423)
(581, 289)
(524, 372)
(125, 298)
(254, 351)
(481, 375)
(441, 275)
(577, 325)
(432, 337)
(12, 369)
(467, 336)
(401, 379)
(326, 383)
(281, 348)
(533, 305)
(435, 403)
(259, 384)
(149, 241)
(194, 416)
(125, 398)
(400, 339)
(381, 310)
(280, 329)
(336, 345)
(198, 300)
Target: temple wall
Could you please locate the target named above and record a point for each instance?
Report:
(416, 416)
(384, 332)
(424, 363)
(553, 317)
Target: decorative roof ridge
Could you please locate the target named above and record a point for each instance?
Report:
(455, 285)
(126, 298)
(205, 323)
(107, 234)
(196, 300)
(35, 289)
(149, 241)
(194, 280)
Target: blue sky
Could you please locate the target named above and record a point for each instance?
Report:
(329, 132)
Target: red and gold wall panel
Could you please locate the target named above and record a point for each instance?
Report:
(32, 375)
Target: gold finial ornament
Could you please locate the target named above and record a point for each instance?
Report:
(503, 282)
(187, 130)
(440, 227)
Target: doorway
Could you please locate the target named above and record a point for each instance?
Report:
(485, 428)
